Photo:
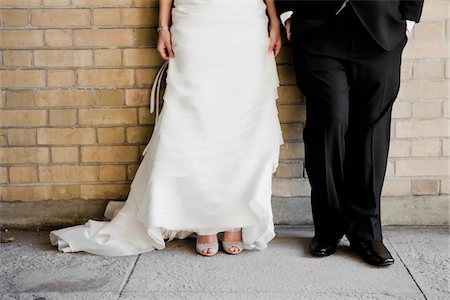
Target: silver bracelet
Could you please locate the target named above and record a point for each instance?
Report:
(162, 28)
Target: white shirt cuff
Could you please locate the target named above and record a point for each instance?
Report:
(409, 25)
(285, 16)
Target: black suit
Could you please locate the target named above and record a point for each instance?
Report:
(384, 19)
(348, 68)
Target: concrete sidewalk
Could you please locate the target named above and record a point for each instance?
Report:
(32, 269)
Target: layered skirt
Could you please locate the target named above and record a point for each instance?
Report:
(209, 163)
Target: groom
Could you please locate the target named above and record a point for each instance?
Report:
(347, 57)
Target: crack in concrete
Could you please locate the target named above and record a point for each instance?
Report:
(407, 269)
(122, 288)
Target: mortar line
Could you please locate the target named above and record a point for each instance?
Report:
(407, 269)
(122, 288)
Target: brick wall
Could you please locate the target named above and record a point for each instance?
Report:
(75, 78)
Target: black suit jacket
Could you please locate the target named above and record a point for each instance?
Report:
(383, 19)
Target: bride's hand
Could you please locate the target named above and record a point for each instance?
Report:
(275, 39)
(164, 44)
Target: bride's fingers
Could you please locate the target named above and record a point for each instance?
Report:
(271, 46)
(163, 52)
(277, 48)
(170, 50)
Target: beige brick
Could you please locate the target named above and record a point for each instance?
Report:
(145, 76)
(112, 135)
(291, 188)
(64, 154)
(390, 168)
(145, 117)
(17, 58)
(422, 167)
(3, 175)
(108, 57)
(131, 171)
(68, 173)
(406, 69)
(140, 16)
(60, 78)
(19, 99)
(292, 113)
(286, 75)
(285, 56)
(139, 134)
(425, 49)
(2, 136)
(447, 68)
(23, 118)
(113, 173)
(401, 109)
(113, 154)
(428, 70)
(12, 155)
(65, 192)
(424, 90)
(427, 110)
(13, 17)
(60, 17)
(106, 16)
(103, 37)
(54, 98)
(21, 38)
(20, 3)
(399, 148)
(105, 78)
(25, 193)
(141, 57)
(63, 58)
(63, 117)
(66, 136)
(145, 37)
(137, 97)
(292, 131)
(428, 147)
(446, 109)
(107, 116)
(422, 128)
(445, 147)
(394, 188)
(429, 30)
(292, 151)
(289, 94)
(109, 97)
(102, 2)
(23, 174)
(22, 79)
(105, 191)
(21, 136)
(289, 170)
(58, 37)
(53, 3)
(424, 187)
(445, 186)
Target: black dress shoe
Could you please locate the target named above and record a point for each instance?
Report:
(323, 247)
(373, 252)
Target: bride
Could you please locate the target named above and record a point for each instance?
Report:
(209, 163)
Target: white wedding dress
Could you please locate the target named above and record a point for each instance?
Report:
(209, 163)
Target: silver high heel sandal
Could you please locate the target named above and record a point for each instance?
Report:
(203, 246)
(228, 245)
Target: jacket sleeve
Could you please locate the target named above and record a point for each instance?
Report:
(411, 9)
(284, 6)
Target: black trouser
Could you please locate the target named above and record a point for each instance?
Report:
(350, 84)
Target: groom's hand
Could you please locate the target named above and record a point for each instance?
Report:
(288, 29)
